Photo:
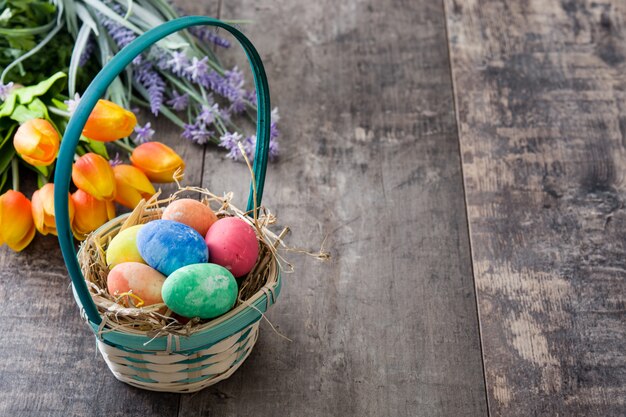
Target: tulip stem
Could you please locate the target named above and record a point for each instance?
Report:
(15, 174)
(59, 112)
(124, 146)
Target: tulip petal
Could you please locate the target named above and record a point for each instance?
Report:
(108, 122)
(93, 174)
(158, 161)
(17, 228)
(90, 213)
(25, 241)
(131, 185)
(37, 142)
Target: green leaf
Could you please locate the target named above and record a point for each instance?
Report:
(3, 180)
(27, 94)
(5, 158)
(22, 114)
(37, 106)
(6, 137)
(41, 181)
(97, 147)
(9, 104)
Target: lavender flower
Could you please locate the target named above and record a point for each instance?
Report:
(207, 35)
(229, 141)
(275, 117)
(274, 128)
(207, 115)
(87, 52)
(5, 90)
(117, 160)
(225, 115)
(176, 63)
(274, 149)
(197, 133)
(178, 102)
(149, 78)
(143, 133)
(121, 35)
(72, 103)
(197, 69)
(250, 96)
(249, 145)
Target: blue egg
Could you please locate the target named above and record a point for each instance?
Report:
(167, 245)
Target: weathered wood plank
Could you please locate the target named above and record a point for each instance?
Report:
(541, 111)
(48, 359)
(370, 158)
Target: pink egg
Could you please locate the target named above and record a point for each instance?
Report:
(192, 213)
(233, 244)
(143, 281)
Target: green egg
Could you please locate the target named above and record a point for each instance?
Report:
(200, 290)
(123, 247)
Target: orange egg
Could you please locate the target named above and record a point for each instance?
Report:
(139, 279)
(191, 212)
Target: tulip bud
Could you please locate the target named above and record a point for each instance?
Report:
(90, 213)
(132, 185)
(158, 161)
(37, 142)
(93, 174)
(43, 210)
(17, 228)
(108, 122)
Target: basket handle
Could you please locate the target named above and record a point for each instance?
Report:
(97, 89)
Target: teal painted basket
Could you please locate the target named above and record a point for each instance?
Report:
(171, 363)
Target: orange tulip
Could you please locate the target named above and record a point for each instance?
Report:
(132, 185)
(43, 210)
(93, 174)
(17, 228)
(37, 142)
(108, 122)
(158, 161)
(90, 213)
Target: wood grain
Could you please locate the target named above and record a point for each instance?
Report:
(542, 115)
(370, 161)
(371, 164)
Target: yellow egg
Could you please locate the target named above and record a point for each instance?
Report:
(123, 247)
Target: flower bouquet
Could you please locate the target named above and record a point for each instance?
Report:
(50, 50)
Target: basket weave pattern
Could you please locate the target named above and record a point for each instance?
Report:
(181, 372)
(175, 369)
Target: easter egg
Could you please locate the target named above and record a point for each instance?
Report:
(200, 290)
(144, 282)
(166, 245)
(123, 247)
(233, 244)
(192, 213)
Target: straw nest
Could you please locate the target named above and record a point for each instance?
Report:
(125, 313)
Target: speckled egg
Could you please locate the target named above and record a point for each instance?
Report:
(192, 213)
(201, 290)
(166, 245)
(143, 281)
(123, 247)
(233, 244)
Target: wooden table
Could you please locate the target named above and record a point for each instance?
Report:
(465, 162)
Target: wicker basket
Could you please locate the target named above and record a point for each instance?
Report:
(214, 350)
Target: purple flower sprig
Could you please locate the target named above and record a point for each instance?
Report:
(207, 35)
(143, 133)
(229, 141)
